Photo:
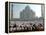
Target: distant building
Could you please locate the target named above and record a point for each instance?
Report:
(27, 13)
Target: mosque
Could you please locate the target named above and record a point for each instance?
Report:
(27, 13)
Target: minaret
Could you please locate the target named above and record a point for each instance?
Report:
(12, 11)
(43, 10)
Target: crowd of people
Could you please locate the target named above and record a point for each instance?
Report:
(26, 27)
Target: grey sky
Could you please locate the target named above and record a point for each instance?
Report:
(17, 8)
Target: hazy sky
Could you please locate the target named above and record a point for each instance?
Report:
(17, 8)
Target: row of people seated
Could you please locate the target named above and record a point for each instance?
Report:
(25, 27)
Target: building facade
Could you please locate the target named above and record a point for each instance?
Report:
(27, 13)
